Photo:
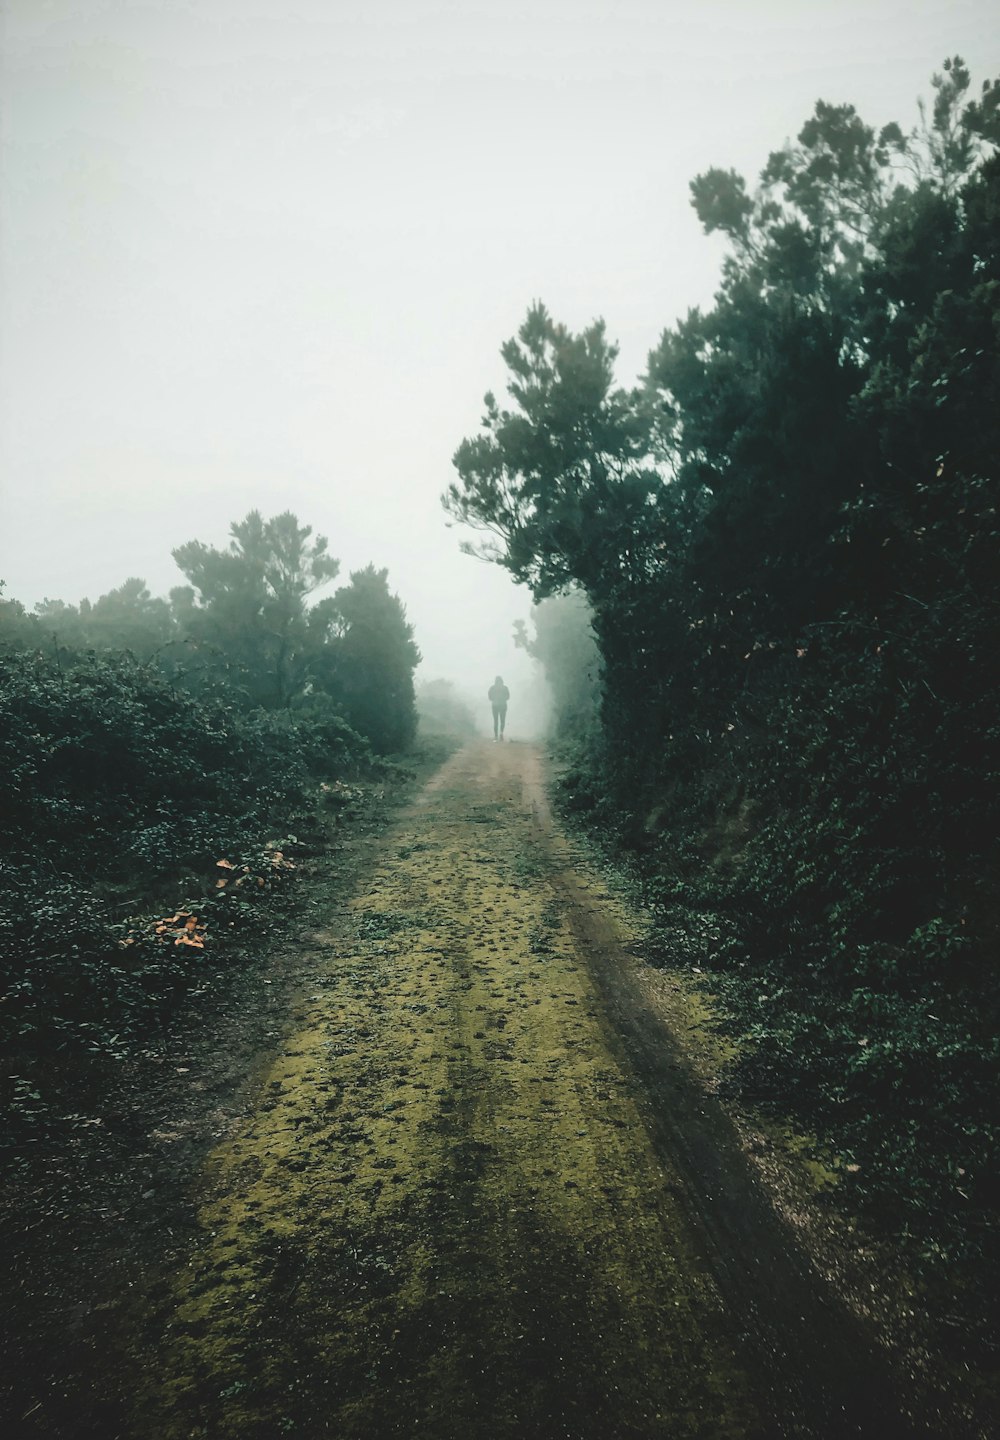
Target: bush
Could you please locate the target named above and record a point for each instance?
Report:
(117, 790)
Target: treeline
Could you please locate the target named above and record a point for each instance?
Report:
(160, 762)
(243, 622)
(787, 538)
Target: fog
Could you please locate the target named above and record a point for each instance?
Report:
(262, 255)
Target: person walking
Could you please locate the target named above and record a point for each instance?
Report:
(499, 695)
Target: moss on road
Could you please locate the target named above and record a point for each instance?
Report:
(446, 1215)
(449, 1214)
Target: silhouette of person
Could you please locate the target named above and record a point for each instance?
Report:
(499, 695)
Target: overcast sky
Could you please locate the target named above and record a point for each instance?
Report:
(263, 253)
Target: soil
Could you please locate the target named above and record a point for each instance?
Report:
(449, 1162)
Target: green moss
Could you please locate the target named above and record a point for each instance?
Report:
(446, 1212)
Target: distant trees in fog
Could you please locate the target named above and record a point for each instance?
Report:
(563, 643)
(443, 710)
(248, 602)
(244, 621)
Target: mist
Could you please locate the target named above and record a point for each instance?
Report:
(260, 257)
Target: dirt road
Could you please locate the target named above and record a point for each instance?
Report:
(482, 1195)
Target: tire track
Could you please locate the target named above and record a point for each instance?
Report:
(458, 1209)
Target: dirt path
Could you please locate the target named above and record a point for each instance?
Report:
(481, 1195)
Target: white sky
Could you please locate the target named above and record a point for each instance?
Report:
(263, 253)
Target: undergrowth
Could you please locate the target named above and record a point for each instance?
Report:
(148, 833)
(853, 962)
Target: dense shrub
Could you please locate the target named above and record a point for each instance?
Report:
(104, 763)
(119, 793)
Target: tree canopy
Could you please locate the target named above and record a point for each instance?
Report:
(373, 660)
(249, 601)
(548, 476)
(250, 625)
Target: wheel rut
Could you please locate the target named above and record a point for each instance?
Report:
(479, 1194)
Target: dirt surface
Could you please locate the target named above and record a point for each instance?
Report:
(475, 1185)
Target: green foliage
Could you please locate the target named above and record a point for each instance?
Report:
(248, 602)
(370, 670)
(326, 742)
(147, 749)
(116, 789)
(789, 542)
(243, 630)
(547, 478)
(563, 643)
(128, 618)
(105, 768)
(108, 748)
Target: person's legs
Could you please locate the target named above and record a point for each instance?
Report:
(496, 721)
(503, 719)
